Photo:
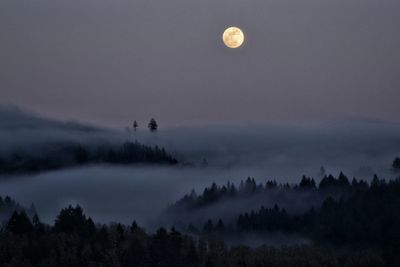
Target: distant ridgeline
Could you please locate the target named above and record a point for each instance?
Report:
(58, 156)
(329, 185)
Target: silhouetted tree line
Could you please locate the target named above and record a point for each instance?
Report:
(8, 206)
(75, 240)
(67, 155)
(329, 185)
(368, 216)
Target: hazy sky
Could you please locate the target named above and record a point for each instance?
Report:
(110, 62)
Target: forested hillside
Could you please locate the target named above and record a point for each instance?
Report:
(356, 225)
(75, 240)
(62, 155)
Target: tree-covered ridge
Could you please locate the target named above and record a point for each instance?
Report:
(329, 185)
(367, 215)
(57, 156)
(75, 240)
(367, 210)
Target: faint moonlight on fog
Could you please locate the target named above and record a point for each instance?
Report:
(233, 37)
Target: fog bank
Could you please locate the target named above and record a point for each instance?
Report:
(112, 193)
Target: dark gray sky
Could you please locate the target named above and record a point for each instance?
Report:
(110, 62)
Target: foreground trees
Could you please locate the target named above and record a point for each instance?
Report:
(74, 242)
(359, 228)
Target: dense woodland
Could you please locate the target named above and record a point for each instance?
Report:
(57, 156)
(354, 214)
(328, 186)
(358, 226)
(74, 240)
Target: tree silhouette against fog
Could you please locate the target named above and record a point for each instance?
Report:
(396, 164)
(76, 155)
(358, 227)
(19, 223)
(135, 126)
(153, 126)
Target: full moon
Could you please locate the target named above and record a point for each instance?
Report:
(233, 37)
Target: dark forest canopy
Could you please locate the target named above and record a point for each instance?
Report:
(328, 186)
(9, 205)
(364, 215)
(63, 155)
(75, 240)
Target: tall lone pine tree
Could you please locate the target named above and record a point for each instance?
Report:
(152, 125)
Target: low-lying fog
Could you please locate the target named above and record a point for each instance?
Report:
(116, 193)
(110, 193)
